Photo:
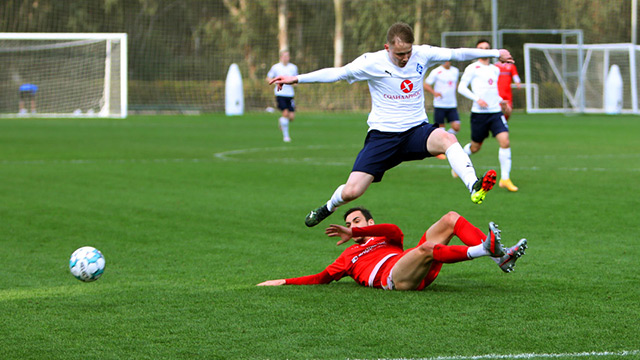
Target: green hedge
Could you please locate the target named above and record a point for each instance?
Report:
(208, 96)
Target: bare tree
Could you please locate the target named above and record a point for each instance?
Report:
(338, 42)
(418, 25)
(283, 40)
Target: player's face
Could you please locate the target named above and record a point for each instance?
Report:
(447, 64)
(399, 52)
(357, 219)
(284, 58)
(484, 46)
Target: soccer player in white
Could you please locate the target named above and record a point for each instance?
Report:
(398, 125)
(284, 96)
(442, 83)
(487, 112)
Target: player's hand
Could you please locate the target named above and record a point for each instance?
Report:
(482, 103)
(273, 282)
(505, 56)
(283, 79)
(437, 94)
(343, 232)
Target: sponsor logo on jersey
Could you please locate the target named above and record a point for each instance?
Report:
(366, 251)
(419, 69)
(406, 86)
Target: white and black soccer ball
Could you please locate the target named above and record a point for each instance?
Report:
(86, 264)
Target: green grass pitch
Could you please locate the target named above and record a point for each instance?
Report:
(192, 212)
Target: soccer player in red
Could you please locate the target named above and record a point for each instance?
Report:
(508, 72)
(378, 259)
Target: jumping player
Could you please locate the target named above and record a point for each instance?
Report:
(398, 125)
(284, 96)
(378, 259)
(487, 112)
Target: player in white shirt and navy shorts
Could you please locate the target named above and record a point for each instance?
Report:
(487, 112)
(399, 129)
(442, 83)
(284, 96)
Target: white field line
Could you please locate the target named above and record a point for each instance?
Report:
(229, 156)
(232, 155)
(101, 161)
(589, 354)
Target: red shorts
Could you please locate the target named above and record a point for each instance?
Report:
(386, 273)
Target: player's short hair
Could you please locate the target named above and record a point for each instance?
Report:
(362, 209)
(483, 41)
(400, 31)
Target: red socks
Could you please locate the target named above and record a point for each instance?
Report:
(450, 253)
(468, 234)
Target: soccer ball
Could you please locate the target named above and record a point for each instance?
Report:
(86, 264)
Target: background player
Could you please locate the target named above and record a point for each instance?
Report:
(444, 80)
(398, 125)
(508, 72)
(377, 259)
(27, 93)
(486, 112)
(284, 95)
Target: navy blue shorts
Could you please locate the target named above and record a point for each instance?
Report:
(451, 114)
(482, 123)
(285, 103)
(385, 150)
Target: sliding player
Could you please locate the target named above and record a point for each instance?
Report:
(378, 259)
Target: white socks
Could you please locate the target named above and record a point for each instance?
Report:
(461, 165)
(336, 199)
(451, 131)
(284, 126)
(476, 251)
(504, 155)
(467, 149)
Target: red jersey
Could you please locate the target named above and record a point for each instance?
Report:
(507, 73)
(363, 262)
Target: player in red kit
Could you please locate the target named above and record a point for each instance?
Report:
(378, 259)
(508, 72)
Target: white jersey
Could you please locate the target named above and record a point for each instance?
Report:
(446, 83)
(484, 85)
(287, 70)
(397, 95)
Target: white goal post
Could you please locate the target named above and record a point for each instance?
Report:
(572, 78)
(63, 74)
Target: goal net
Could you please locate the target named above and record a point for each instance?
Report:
(573, 78)
(63, 74)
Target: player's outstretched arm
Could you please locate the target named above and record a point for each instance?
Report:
(505, 56)
(273, 282)
(343, 232)
(283, 79)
